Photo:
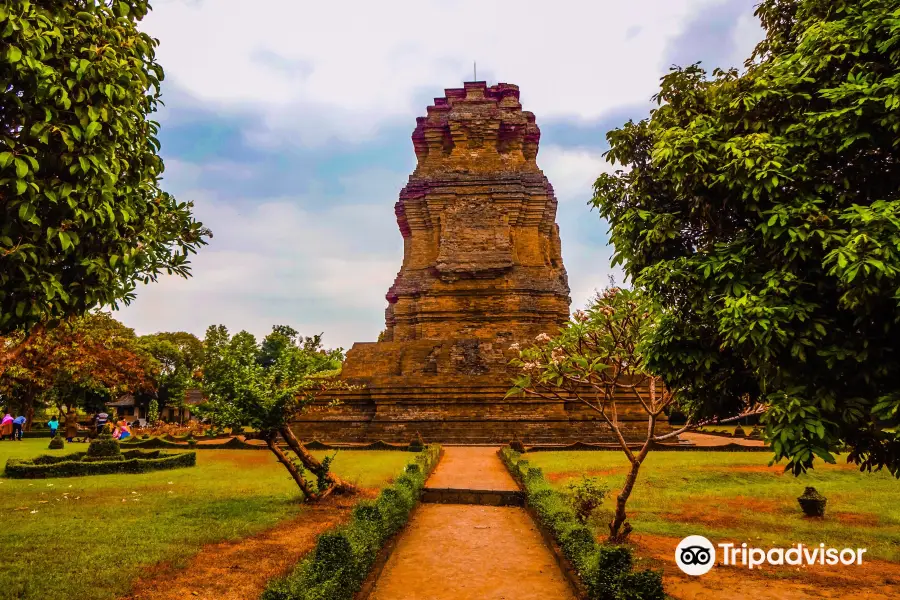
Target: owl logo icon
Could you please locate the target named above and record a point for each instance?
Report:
(695, 555)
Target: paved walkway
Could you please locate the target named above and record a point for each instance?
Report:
(468, 552)
(473, 468)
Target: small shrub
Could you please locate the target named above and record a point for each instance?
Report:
(417, 444)
(605, 571)
(237, 430)
(516, 445)
(739, 432)
(104, 446)
(153, 412)
(577, 544)
(57, 443)
(333, 552)
(586, 495)
(641, 585)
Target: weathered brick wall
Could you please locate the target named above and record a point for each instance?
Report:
(482, 269)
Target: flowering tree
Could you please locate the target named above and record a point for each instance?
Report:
(598, 359)
(92, 357)
(265, 385)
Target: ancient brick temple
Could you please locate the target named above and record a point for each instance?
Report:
(482, 270)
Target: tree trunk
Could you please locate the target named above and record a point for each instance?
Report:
(619, 527)
(309, 461)
(291, 467)
(29, 409)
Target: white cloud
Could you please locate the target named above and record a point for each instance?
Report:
(589, 270)
(747, 33)
(275, 263)
(316, 71)
(572, 171)
(365, 63)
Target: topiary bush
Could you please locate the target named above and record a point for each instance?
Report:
(57, 443)
(104, 446)
(739, 432)
(343, 557)
(516, 445)
(605, 570)
(417, 444)
(79, 464)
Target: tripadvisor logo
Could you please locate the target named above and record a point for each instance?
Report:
(696, 555)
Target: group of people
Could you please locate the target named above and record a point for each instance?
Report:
(11, 428)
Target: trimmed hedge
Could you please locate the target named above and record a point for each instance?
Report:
(73, 465)
(605, 570)
(343, 556)
(104, 447)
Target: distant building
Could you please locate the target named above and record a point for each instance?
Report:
(130, 408)
(173, 414)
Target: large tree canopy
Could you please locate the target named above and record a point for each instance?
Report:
(265, 385)
(82, 216)
(762, 209)
(86, 361)
(179, 357)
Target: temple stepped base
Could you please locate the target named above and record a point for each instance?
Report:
(459, 416)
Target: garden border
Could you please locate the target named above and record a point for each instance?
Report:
(593, 570)
(70, 466)
(384, 555)
(334, 569)
(584, 446)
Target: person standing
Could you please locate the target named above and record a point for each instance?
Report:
(6, 427)
(18, 424)
(71, 424)
(53, 424)
(101, 420)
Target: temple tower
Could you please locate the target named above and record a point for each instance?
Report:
(482, 269)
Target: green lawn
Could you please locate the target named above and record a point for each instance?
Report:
(733, 496)
(89, 537)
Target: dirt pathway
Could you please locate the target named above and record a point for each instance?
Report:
(468, 552)
(471, 467)
(873, 580)
(239, 570)
(708, 441)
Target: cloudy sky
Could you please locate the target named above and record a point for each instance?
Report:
(288, 123)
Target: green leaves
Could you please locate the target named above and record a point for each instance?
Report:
(92, 130)
(761, 209)
(263, 385)
(82, 82)
(13, 54)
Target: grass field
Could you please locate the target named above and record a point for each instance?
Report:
(89, 537)
(736, 497)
